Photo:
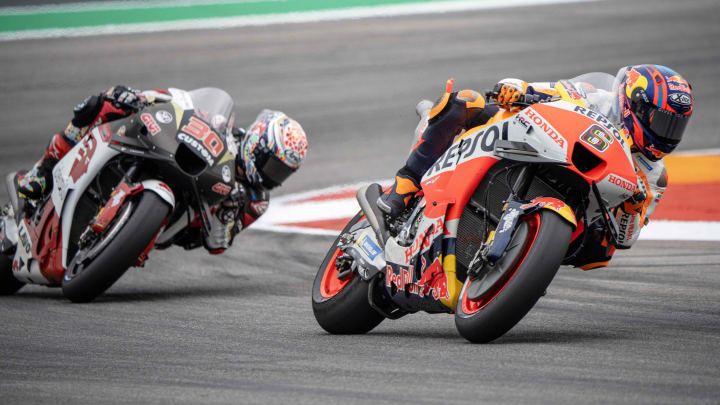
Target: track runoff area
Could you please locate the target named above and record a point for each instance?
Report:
(687, 211)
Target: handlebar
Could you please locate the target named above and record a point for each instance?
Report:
(526, 99)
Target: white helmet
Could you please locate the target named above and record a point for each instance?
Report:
(273, 148)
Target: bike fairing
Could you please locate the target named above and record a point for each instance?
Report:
(475, 157)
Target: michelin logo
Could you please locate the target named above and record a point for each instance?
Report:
(371, 249)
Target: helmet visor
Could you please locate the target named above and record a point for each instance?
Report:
(665, 126)
(274, 171)
(668, 126)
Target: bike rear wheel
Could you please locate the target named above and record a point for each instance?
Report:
(341, 307)
(528, 266)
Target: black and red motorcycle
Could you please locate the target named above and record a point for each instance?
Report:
(131, 185)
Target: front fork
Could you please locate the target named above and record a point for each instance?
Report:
(516, 207)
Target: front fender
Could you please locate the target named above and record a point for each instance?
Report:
(161, 189)
(513, 211)
(555, 205)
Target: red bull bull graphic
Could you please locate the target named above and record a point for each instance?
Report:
(432, 284)
(677, 83)
(635, 79)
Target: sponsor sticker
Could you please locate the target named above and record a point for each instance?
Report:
(118, 197)
(424, 239)
(597, 137)
(164, 117)
(509, 217)
(621, 183)
(202, 132)
(84, 155)
(682, 99)
(539, 121)
(150, 124)
(368, 246)
(677, 83)
(221, 188)
(602, 120)
(433, 282)
(259, 207)
(474, 146)
(226, 174)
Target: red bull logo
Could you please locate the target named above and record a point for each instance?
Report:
(433, 282)
(634, 79)
(658, 154)
(677, 83)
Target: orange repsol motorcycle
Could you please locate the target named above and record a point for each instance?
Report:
(489, 229)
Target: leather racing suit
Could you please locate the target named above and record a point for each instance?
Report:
(457, 112)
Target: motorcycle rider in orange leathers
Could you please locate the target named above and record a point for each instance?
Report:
(650, 104)
(272, 148)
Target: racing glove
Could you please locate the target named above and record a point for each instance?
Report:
(126, 98)
(639, 201)
(509, 91)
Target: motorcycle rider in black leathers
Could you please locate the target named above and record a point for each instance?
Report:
(272, 148)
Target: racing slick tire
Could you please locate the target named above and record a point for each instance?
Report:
(122, 251)
(527, 267)
(341, 307)
(8, 283)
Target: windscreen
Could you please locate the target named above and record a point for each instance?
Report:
(214, 106)
(599, 91)
(598, 80)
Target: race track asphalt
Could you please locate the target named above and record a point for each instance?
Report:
(238, 328)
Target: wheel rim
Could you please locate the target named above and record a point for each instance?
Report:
(331, 284)
(472, 306)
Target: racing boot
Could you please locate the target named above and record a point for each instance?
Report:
(395, 201)
(36, 183)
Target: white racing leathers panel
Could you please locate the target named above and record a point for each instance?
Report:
(72, 175)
